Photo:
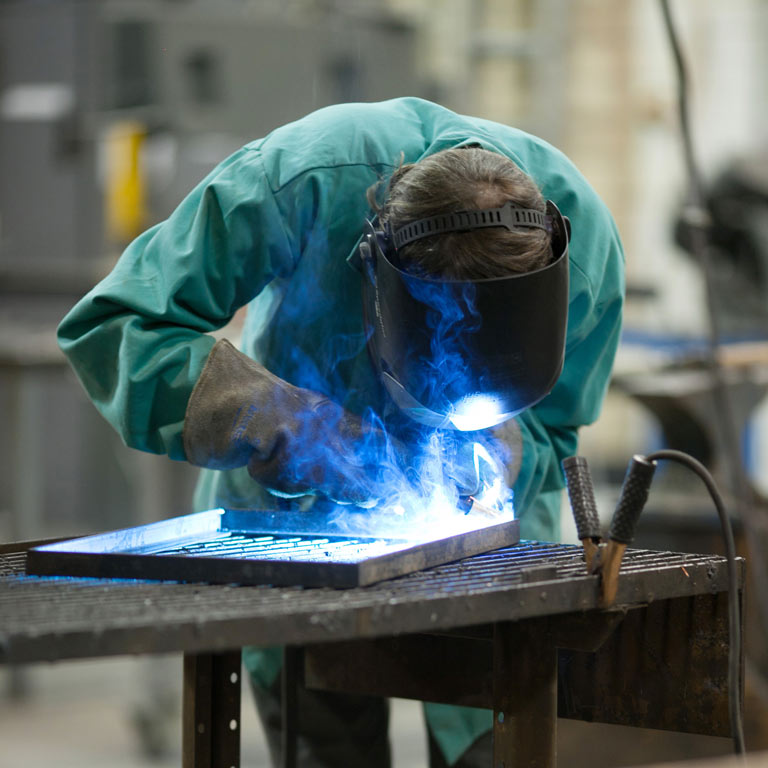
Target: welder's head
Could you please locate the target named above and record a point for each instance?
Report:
(465, 289)
(463, 180)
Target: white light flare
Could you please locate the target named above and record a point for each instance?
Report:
(429, 502)
(492, 491)
(435, 509)
(477, 412)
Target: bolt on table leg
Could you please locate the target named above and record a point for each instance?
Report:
(524, 695)
(211, 710)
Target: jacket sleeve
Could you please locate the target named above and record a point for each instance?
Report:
(550, 429)
(138, 341)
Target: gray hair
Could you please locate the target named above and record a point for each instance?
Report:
(466, 178)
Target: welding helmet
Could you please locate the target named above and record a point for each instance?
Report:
(465, 354)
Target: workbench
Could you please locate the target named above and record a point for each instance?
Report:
(517, 630)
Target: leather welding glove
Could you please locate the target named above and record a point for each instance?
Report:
(293, 441)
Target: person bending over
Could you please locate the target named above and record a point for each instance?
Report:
(315, 391)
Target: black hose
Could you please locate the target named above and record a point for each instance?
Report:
(734, 623)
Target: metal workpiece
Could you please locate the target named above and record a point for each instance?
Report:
(45, 618)
(310, 549)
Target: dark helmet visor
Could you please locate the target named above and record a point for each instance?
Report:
(465, 354)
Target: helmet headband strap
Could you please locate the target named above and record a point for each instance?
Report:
(509, 215)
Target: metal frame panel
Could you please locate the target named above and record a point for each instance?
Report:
(259, 547)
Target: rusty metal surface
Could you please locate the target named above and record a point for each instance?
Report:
(408, 667)
(666, 664)
(661, 666)
(413, 666)
(524, 695)
(261, 547)
(55, 618)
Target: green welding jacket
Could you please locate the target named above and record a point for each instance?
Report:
(271, 227)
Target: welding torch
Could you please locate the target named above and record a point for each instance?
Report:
(605, 559)
(475, 481)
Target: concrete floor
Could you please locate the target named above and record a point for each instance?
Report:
(91, 714)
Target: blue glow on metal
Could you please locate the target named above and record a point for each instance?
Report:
(88, 579)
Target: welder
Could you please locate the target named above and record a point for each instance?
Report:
(411, 195)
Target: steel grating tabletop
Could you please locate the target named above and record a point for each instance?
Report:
(49, 618)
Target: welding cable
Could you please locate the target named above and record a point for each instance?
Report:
(734, 624)
(697, 218)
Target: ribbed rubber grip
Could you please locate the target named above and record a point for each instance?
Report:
(581, 494)
(634, 494)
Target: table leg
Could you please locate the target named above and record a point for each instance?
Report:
(291, 679)
(211, 710)
(524, 696)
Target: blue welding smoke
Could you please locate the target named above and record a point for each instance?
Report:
(399, 475)
(434, 475)
(440, 482)
(450, 320)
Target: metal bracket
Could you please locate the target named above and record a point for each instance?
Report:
(211, 710)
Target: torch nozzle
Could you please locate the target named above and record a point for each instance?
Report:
(478, 507)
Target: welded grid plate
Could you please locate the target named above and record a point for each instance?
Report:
(259, 547)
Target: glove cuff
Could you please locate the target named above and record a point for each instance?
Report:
(221, 407)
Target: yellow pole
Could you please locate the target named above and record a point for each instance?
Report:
(126, 211)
